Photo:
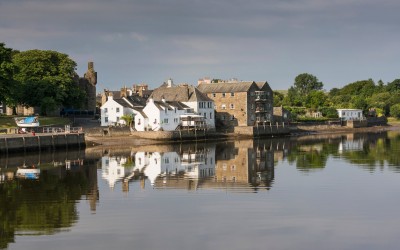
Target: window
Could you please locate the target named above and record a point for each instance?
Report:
(232, 117)
(223, 94)
(232, 106)
(138, 121)
(252, 106)
(210, 115)
(155, 121)
(166, 120)
(205, 115)
(117, 119)
(223, 106)
(252, 93)
(105, 110)
(106, 119)
(232, 94)
(117, 110)
(214, 95)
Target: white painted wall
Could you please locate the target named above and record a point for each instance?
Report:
(350, 114)
(206, 109)
(111, 112)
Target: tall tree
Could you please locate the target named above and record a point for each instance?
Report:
(6, 73)
(46, 78)
(305, 83)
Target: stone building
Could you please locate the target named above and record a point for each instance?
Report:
(281, 114)
(239, 103)
(87, 83)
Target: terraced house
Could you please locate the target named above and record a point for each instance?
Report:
(240, 103)
(188, 95)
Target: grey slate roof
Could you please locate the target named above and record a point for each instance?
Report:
(136, 100)
(169, 105)
(226, 87)
(122, 102)
(131, 101)
(182, 93)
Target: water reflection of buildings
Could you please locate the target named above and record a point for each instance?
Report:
(245, 164)
(239, 165)
(349, 143)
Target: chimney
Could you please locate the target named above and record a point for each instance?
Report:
(169, 83)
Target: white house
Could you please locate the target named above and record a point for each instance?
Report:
(350, 114)
(162, 115)
(190, 96)
(113, 109)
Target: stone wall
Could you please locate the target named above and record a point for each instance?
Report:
(17, 143)
(256, 131)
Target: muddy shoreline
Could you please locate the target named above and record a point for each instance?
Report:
(109, 141)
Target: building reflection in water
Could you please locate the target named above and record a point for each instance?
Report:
(238, 166)
(349, 143)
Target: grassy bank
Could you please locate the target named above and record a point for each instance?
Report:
(393, 121)
(8, 121)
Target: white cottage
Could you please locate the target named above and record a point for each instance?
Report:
(350, 114)
(163, 115)
(113, 109)
(190, 96)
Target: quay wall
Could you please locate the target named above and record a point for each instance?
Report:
(259, 131)
(173, 135)
(24, 143)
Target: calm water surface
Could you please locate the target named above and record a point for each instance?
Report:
(325, 192)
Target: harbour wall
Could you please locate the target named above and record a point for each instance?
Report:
(24, 143)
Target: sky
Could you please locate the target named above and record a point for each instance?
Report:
(150, 41)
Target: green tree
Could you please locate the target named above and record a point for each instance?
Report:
(128, 119)
(393, 86)
(293, 98)
(278, 98)
(380, 101)
(6, 73)
(316, 99)
(305, 83)
(46, 79)
(395, 111)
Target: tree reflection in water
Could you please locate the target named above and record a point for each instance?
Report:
(48, 205)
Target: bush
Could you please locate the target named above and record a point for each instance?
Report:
(395, 111)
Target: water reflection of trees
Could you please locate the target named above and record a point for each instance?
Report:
(366, 150)
(243, 166)
(46, 205)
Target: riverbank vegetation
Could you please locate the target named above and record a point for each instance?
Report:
(307, 96)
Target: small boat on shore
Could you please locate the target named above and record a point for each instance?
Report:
(27, 122)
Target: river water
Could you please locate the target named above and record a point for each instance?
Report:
(315, 192)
